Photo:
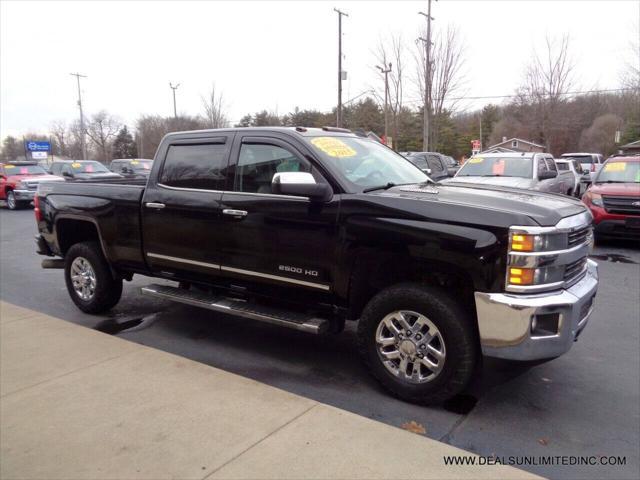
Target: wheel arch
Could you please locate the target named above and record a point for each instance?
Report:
(70, 229)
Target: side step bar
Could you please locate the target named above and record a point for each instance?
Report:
(233, 306)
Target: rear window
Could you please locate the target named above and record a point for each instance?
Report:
(562, 166)
(198, 166)
(584, 158)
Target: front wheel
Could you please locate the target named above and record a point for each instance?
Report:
(89, 280)
(12, 203)
(418, 343)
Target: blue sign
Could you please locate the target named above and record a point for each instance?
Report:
(38, 146)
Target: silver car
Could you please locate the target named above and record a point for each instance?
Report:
(533, 171)
(591, 162)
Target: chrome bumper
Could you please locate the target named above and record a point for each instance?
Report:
(24, 194)
(505, 320)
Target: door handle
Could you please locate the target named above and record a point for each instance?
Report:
(235, 213)
(154, 205)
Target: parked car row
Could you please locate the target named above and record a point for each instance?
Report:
(19, 180)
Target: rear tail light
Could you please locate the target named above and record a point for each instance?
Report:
(36, 208)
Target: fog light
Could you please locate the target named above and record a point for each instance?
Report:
(545, 325)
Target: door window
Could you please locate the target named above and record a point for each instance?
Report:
(435, 165)
(66, 169)
(542, 166)
(199, 166)
(551, 164)
(56, 169)
(258, 163)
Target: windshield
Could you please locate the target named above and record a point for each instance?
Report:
(88, 167)
(141, 165)
(619, 172)
(366, 163)
(497, 167)
(581, 158)
(24, 170)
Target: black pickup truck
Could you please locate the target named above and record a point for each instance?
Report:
(309, 228)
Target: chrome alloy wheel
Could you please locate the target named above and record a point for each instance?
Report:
(11, 200)
(83, 278)
(410, 346)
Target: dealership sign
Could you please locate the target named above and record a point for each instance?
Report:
(33, 146)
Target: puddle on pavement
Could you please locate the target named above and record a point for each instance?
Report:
(613, 257)
(114, 326)
(460, 404)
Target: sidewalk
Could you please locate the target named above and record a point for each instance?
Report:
(79, 404)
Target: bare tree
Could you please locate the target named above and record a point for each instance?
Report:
(391, 51)
(101, 129)
(447, 75)
(631, 73)
(547, 80)
(60, 133)
(214, 109)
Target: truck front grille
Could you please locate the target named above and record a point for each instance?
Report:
(575, 270)
(578, 237)
(621, 205)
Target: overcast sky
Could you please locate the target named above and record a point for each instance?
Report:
(271, 55)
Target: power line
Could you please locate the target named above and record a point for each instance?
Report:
(485, 97)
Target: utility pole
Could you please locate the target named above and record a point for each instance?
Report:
(83, 146)
(386, 71)
(175, 112)
(481, 131)
(339, 111)
(427, 79)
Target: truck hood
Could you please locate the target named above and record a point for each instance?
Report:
(515, 182)
(631, 189)
(486, 203)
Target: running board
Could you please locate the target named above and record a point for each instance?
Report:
(234, 306)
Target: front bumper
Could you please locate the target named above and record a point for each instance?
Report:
(618, 228)
(24, 195)
(505, 321)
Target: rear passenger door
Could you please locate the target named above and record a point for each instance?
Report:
(181, 216)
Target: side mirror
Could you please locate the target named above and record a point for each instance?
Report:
(547, 174)
(427, 171)
(301, 184)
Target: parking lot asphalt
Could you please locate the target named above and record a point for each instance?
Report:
(586, 403)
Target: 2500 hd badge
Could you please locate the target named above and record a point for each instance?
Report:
(435, 275)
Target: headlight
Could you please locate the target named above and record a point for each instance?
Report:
(542, 242)
(595, 199)
(520, 276)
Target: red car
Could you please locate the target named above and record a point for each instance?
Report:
(19, 182)
(614, 198)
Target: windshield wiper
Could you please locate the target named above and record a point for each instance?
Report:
(386, 186)
(614, 181)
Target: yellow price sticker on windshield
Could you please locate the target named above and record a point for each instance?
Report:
(76, 165)
(9, 166)
(334, 147)
(134, 162)
(615, 167)
(476, 160)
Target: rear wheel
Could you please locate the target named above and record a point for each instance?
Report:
(418, 343)
(89, 280)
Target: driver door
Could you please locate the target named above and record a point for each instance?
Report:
(277, 240)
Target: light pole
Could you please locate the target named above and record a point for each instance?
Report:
(427, 79)
(339, 110)
(175, 112)
(386, 99)
(83, 146)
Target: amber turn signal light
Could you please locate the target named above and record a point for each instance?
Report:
(521, 276)
(522, 243)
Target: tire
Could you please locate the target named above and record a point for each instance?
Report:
(12, 203)
(101, 290)
(458, 335)
(570, 192)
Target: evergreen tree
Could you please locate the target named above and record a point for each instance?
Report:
(124, 146)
